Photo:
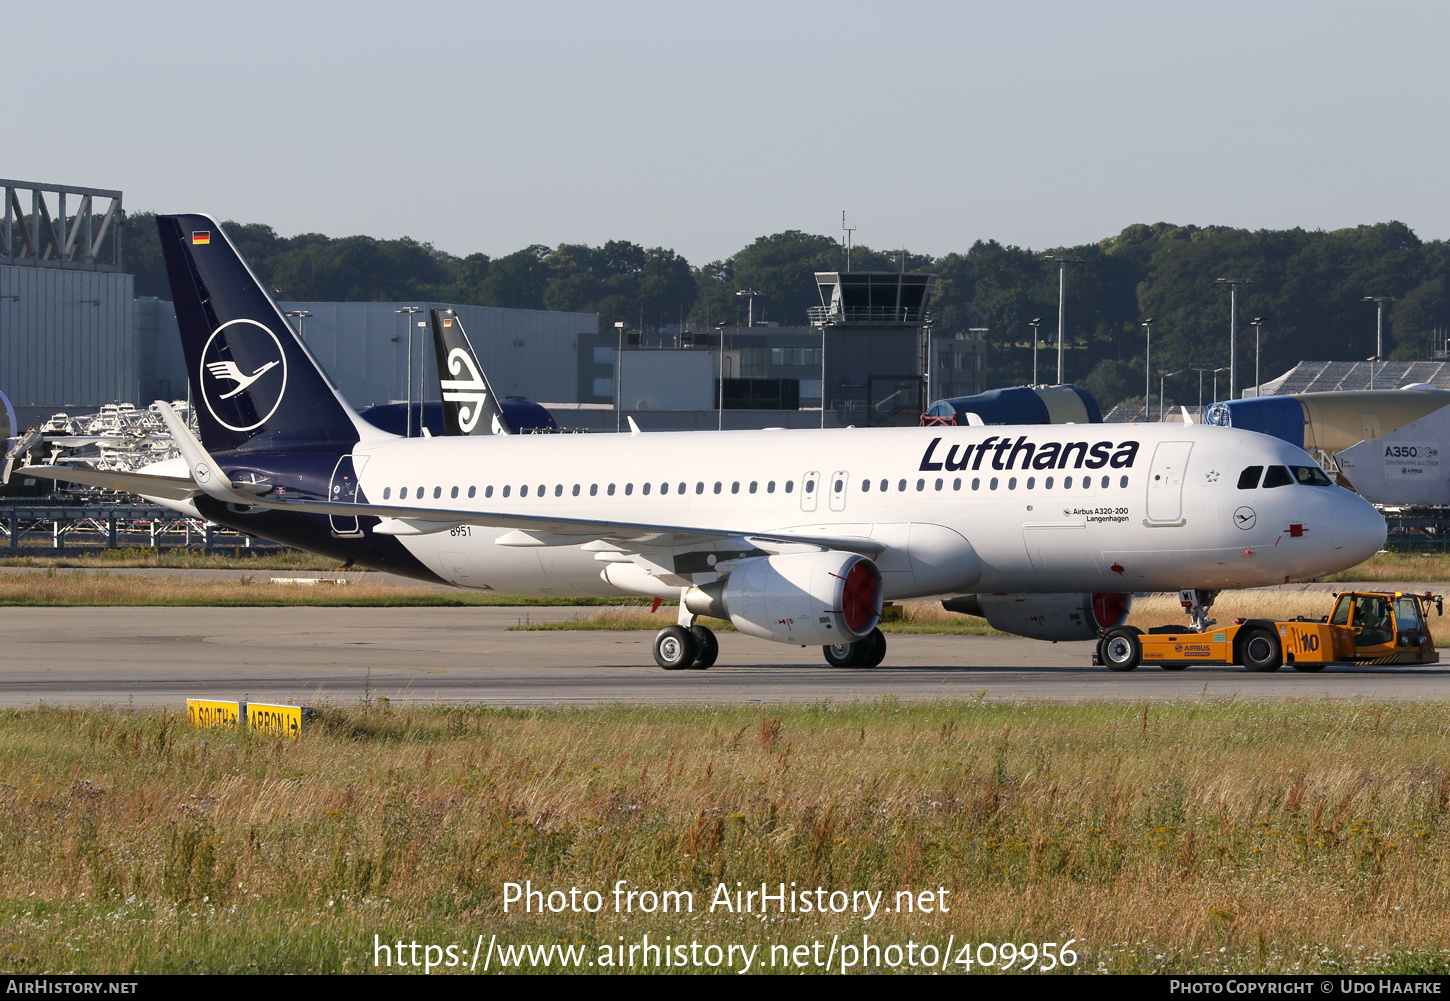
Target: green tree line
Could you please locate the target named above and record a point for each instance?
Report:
(1308, 285)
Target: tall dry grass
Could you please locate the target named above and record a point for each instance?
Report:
(1198, 836)
(101, 588)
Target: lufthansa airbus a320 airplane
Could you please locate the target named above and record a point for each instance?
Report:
(796, 536)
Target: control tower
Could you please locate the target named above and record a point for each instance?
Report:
(875, 331)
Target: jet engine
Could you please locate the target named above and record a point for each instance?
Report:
(1047, 616)
(806, 598)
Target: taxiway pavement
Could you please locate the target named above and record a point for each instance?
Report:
(162, 656)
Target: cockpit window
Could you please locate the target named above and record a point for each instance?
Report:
(1311, 475)
(1249, 478)
(1277, 476)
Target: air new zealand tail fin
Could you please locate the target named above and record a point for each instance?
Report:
(469, 404)
(254, 382)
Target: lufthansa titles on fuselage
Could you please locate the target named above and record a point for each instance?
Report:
(1005, 453)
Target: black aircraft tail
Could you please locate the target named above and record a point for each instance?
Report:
(469, 404)
(253, 381)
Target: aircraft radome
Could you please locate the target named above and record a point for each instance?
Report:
(796, 536)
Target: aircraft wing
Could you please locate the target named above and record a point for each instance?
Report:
(170, 487)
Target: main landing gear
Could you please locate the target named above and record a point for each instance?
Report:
(868, 652)
(679, 648)
(694, 648)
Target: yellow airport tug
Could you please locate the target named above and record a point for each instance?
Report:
(1365, 627)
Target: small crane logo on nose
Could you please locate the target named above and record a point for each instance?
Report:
(1244, 518)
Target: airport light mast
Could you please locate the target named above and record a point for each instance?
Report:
(1233, 328)
(751, 294)
(301, 315)
(1379, 335)
(618, 375)
(410, 311)
(1062, 263)
(1034, 323)
(1163, 377)
(1200, 369)
(1147, 325)
(1258, 323)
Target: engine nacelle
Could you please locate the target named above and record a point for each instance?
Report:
(1047, 616)
(805, 598)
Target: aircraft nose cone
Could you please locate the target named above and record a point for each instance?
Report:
(1357, 530)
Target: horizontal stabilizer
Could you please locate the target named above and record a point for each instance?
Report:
(149, 485)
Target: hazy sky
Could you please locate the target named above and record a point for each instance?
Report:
(489, 126)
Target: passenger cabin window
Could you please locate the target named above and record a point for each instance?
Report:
(1249, 478)
(387, 492)
(865, 486)
(789, 485)
(1277, 476)
(473, 492)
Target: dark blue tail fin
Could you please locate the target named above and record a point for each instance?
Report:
(254, 383)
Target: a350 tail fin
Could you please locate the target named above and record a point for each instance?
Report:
(253, 381)
(469, 404)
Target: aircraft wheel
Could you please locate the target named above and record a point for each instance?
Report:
(843, 654)
(1308, 667)
(708, 646)
(1121, 649)
(876, 650)
(675, 648)
(1261, 651)
(1174, 667)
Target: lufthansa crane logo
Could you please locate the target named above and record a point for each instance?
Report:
(470, 392)
(243, 374)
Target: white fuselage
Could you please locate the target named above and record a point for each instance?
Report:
(1097, 507)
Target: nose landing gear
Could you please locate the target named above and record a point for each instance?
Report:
(1197, 603)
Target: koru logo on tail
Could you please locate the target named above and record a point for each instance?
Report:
(243, 374)
(470, 391)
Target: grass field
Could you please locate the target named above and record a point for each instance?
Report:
(1196, 836)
